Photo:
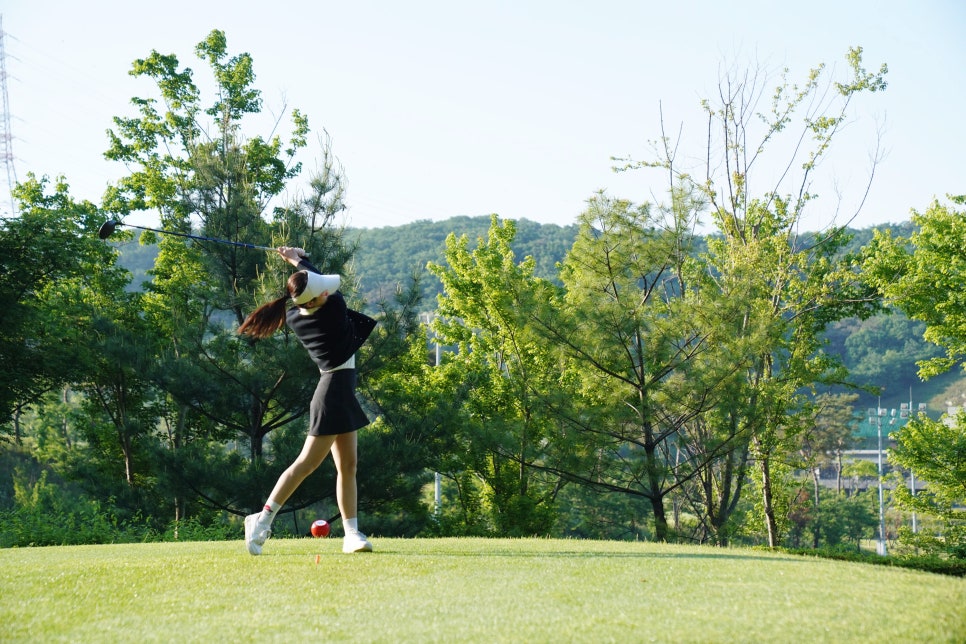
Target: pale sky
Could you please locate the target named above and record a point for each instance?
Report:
(445, 108)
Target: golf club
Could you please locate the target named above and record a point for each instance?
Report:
(108, 227)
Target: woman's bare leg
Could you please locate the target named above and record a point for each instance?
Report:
(313, 453)
(258, 526)
(345, 455)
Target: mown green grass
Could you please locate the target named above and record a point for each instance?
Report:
(465, 590)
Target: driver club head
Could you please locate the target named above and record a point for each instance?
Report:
(107, 229)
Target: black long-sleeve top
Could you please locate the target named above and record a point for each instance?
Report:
(331, 333)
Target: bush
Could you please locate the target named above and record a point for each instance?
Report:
(44, 516)
(87, 523)
(926, 563)
(194, 529)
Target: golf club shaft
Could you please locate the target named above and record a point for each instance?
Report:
(200, 238)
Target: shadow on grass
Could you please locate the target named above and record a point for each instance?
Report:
(551, 554)
(589, 555)
(955, 568)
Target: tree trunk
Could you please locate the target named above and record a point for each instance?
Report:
(655, 489)
(127, 452)
(660, 519)
(17, 438)
(178, 515)
(766, 496)
(64, 425)
(838, 472)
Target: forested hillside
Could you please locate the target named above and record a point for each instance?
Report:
(391, 256)
(880, 352)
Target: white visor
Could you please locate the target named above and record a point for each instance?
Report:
(316, 286)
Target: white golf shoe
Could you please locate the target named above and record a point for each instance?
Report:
(255, 534)
(355, 542)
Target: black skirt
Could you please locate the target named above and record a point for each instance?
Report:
(335, 408)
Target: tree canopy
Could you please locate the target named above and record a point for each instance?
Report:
(624, 377)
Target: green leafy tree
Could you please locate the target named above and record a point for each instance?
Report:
(717, 445)
(89, 326)
(936, 452)
(191, 163)
(633, 335)
(882, 349)
(394, 253)
(50, 245)
(413, 419)
(119, 396)
(512, 441)
(825, 443)
(832, 434)
(923, 276)
(588, 512)
(845, 520)
(793, 287)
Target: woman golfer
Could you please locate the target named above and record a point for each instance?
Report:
(331, 333)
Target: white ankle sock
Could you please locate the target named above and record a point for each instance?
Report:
(268, 512)
(351, 526)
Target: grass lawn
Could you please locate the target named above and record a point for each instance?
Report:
(465, 590)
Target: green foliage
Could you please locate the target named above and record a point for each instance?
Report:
(49, 512)
(47, 254)
(390, 497)
(486, 311)
(880, 351)
(195, 528)
(936, 452)
(791, 287)
(590, 513)
(925, 563)
(844, 520)
(44, 516)
(623, 364)
(463, 512)
(883, 349)
(212, 385)
(166, 390)
(388, 257)
(639, 341)
(923, 276)
(788, 504)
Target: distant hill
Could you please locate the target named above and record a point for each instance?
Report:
(881, 351)
(389, 257)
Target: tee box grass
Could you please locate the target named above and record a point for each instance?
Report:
(465, 590)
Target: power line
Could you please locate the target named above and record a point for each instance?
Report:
(6, 132)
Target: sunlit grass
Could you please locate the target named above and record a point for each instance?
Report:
(465, 590)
